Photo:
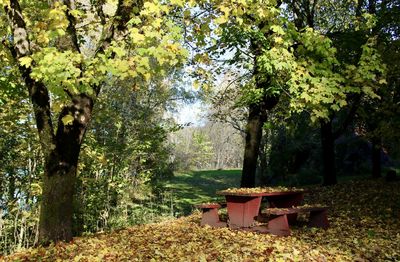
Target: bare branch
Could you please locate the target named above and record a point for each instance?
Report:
(121, 17)
(100, 13)
(71, 29)
(68, 92)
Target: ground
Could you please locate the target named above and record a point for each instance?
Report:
(364, 221)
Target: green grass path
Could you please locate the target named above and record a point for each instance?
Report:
(196, 187)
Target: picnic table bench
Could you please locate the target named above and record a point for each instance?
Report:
(210, 214)
(278, 223)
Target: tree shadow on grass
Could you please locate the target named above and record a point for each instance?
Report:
(200, 186)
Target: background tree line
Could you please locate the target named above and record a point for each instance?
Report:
(213, 145)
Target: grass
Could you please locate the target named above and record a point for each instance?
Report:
(197, 187)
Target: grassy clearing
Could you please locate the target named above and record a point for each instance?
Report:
(196, 187)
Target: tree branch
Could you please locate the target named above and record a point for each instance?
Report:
(349, 117)
(19, 48)
(71, 29)
(121, 17)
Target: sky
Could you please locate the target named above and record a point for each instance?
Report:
(191, 113)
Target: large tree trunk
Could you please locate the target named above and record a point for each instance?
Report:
(376, 158)
(328, 137)
(328, 154)
(257, 117)
(56, 206)
(258, 112)
(60, 174)
(252, 145)
(263, 160)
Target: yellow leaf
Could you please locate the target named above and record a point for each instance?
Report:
(178, 2)
(136, 36)
(25, 61)
(67, 120)
(196, 85)
(221, 20)
(382, 82)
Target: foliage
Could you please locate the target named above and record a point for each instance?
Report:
(125, 155)
(20, 168)
(126, 56)
(299, 62)
(358, 231)
(372, 121)
(211, 146)
(257, 190)
(66, 53)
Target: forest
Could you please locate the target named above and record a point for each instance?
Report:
(293, 94)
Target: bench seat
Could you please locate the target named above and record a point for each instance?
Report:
(278, 223)
(210, 215)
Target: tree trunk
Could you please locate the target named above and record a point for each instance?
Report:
(376, 158)
(11, 186)
(257, 117)
(328, 154)
(57, 206)
(252, 145)
(263, 163)
(60, 173)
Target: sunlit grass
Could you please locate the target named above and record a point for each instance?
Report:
(195, 187)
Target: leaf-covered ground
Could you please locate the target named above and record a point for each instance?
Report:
(364, 219)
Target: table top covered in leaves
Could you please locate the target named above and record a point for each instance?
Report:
(261, 191)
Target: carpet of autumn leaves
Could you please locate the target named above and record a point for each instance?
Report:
(364, 218)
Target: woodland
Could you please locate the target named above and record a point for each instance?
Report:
(94, 165)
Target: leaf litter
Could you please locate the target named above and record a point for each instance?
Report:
(364, 221)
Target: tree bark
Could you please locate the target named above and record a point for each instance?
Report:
(258, 113)
(328, 154)
(56, 207)
(376, 158)
(263, 160)
(252, 145)
(11, 186)
(60, 173)
(328, 138)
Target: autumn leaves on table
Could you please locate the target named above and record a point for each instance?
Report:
(259, 190)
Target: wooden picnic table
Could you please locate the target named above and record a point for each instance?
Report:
(244, 204)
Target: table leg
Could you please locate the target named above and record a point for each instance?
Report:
(279, 225)
(210, 217)
(242, 210)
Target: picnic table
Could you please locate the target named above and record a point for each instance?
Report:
(284, 204)
(243, 204)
